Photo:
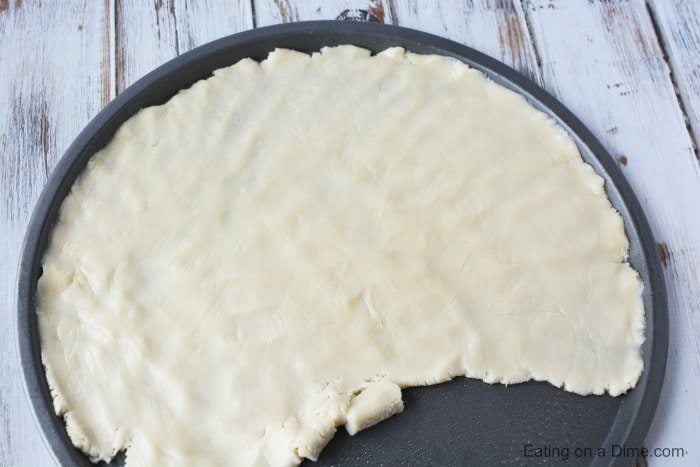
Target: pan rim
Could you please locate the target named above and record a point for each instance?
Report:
(62, 177)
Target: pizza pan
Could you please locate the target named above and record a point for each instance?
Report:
(464, 421)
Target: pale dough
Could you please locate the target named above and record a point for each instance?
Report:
(239, 264)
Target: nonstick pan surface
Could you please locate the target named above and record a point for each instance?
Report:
(463, 421)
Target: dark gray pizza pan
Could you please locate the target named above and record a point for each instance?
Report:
(456, 423)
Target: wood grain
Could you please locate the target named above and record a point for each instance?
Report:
(60, 62)
(54, 77)
(149, 33)
(496, 28)
(283, 11)
(620, 86)
(678, 24)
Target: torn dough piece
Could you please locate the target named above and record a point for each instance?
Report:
(375, 403)
(237, 263)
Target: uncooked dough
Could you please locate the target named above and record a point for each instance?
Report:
(277, 250)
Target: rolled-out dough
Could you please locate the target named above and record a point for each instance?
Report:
(275, 251)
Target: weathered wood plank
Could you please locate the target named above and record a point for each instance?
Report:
(497, 28)
(283, 11)
(678, 23)
(149, 33)
(54, 77)
(603, 60)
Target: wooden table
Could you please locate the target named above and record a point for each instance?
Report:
(629, 69)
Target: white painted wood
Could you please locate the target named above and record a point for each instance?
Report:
(497, 29)
(54, 77)
(202, 21)
(145, 38)
(151, 32)
(269, 12)
(678, 23)
(604, 61)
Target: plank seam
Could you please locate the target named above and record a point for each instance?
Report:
(112, 26)
(392, 12)
(520, 11)
(119, 59)
(533, 37)
(176, 35)
(663, 46)
(254, 20)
